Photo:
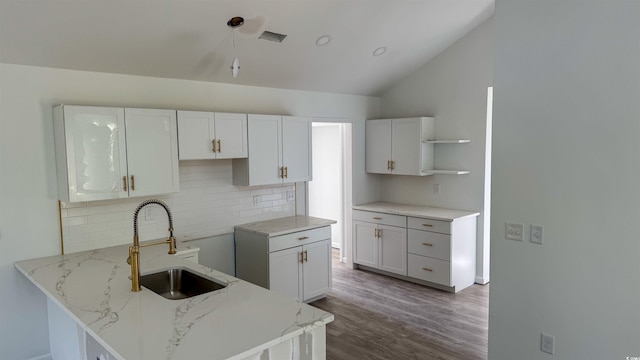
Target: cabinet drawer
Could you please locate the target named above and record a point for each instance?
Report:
(380, 218)
(438, 226)
(429, 269)
(299, 238)
(427, 243)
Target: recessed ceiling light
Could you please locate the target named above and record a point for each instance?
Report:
(379, 51)
(323, 40)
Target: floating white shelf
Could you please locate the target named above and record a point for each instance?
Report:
(447, 141)
(445, 172)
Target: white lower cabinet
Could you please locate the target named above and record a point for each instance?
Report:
(297, 264)
(420, 249)
(379, 246)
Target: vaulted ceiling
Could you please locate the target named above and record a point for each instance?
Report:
(186, 39)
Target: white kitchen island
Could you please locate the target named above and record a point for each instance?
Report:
(90, 293)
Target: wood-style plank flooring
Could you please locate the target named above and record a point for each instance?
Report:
(382, 318)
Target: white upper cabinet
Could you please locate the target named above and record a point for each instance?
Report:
(378, 146)
(91, 153)
(404, 147)
(110, 153)
(208, 135)
(296, 149)
(152, 151)
(279, 151)
(394, 146)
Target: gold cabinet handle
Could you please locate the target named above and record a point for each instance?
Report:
(281, 170)
(379, 233)
(213, 145)
(305, 256)
(286, 172)
(427, 244)
(427, 269)
(300, 257)
(124, 183)
(427, 225)
(377, 218)
(133, 183)
(388, 164)
(303, 238)
(219, 146)
(393, 164)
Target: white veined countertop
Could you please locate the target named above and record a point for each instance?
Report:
(416, 211)
(94, 289)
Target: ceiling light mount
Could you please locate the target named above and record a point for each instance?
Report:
(379, 51)
(235, 22)
(323, 40)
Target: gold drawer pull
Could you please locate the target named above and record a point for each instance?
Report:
(124, 183)
(219, 147)
(213, 142)
(133, 183)
(427, 244)
(303, 238)
(427, 269)
(427, 225)
(377, 218)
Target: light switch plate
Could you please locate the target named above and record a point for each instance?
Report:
(547, 343)
(513, 231)
(536, 234)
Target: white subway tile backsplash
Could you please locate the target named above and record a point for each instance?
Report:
(208, 204)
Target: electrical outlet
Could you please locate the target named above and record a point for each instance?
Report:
(547, 343)
(256, 201)
(436, 188)
(514, 231)
(535, 234)
(291, 196)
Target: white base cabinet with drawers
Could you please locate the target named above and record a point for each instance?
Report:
(297, 263)
(430, 246)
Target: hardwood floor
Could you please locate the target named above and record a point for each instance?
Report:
(381, 318)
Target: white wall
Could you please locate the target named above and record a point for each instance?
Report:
(453, 88)
(566, 156)
(28, 205)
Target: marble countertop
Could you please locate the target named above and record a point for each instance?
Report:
(285, 225)
(94, 289)
(417, 211)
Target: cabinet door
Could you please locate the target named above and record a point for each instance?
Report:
(406, 146)
(152, 151)
(230, 134)
(316, 270)
(264, 149)
(296, 148)
(365, 244)
(195, 135)
(378, 146)
(285, 272)
(93, 139)
(393, 249)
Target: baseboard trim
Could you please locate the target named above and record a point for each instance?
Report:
(482, 280)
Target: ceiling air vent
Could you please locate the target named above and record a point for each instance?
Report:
(271, 36)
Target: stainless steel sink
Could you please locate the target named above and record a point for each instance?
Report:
(178, 283)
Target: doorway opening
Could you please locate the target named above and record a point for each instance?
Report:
(330, 189)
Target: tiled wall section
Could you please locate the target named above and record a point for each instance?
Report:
(207, 204)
